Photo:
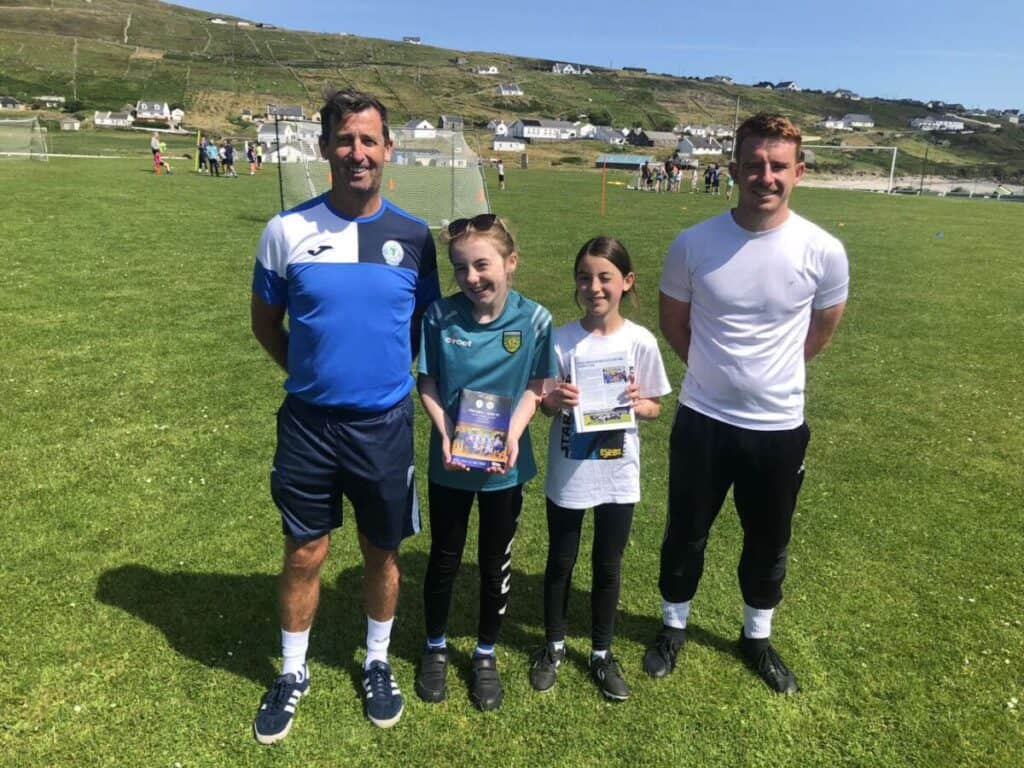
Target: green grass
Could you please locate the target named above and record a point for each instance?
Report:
(140, 549)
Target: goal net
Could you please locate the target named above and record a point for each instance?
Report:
(23, 137)
(434, 174)
(850, 166)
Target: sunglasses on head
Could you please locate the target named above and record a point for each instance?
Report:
(480, 223)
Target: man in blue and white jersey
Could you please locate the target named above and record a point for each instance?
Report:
(354, 274)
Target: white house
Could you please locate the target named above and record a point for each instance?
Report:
(690, 129)
(508, 144)
(842, 93)
(491, 70)
(607, 134)
(49, 102)
(698, 145)
(498, 127)
(719, 131)
(112, 120)
(937, 124)
(564, 69)
(509, 89)
(834, 124)
(269, 133)
(216, 20)
(153, 110)
(177, 115)
(412, 40)
(788, 85)
(70, 124)
(586, 71)
(285, 112)
(542, 130)
(855, 120)
(244, 24)
(421, 129)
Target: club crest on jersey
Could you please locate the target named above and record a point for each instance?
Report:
(512, 341)
(392, 252)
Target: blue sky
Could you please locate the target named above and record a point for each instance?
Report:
(967, 52)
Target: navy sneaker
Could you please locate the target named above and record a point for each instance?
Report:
(544, 668)
(660, 658)
(432, 681)
(384, 702)
(274, 718)
(485, 684)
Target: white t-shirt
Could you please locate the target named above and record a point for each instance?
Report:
(750, 296)
(593, 468)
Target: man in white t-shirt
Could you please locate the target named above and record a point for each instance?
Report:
(747, 297)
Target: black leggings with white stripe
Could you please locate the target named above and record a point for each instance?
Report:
(449, 521)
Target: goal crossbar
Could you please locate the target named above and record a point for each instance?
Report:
(849, 148)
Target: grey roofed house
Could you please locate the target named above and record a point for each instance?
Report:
(451, 123)
(642, 138)
(607, 134)
(9, 102)
(285, 111)
(767, 85)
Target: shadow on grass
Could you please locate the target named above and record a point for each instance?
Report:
(229, 621)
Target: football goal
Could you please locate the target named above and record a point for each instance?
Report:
(838, 160)
(23, 137)
(433, 174)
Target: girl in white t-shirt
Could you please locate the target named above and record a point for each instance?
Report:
(598, 470)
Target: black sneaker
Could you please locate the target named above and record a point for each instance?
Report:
(384, 701)
(544, 667)
(608, 675)
(762, 657)
(485, 687)
(660, 658)
(274, 718)
(432, 681)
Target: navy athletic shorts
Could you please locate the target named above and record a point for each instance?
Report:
(325, 453)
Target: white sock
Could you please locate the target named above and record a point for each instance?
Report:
(757, 622)
(675, 614)
(293, 648)
(599, 654)
(378, 637)
(558, 645)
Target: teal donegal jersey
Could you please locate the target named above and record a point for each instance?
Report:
(500, 358)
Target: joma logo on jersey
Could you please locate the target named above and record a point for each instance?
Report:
(512, 341)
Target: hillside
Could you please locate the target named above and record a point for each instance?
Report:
(102, 54)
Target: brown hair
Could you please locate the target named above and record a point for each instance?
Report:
(766, 125)
(611, 248)
(486, 227)
(340, 104)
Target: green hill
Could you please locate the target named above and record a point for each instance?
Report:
(102, 54)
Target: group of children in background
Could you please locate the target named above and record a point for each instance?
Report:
(217, 159)
(489, 338)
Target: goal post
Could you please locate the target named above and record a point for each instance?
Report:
(820, 149)
(23, 137)
(433, 174)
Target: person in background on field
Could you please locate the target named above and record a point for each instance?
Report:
(154, 143)
(645, 176)
(747, 298)
(716, 180)
(163, 158)
(730, 182)
(259, 155)
(229, 159)
(250, 155)
(213, 157)
(501, 174)
(354, 274)
(594, 470)
(694, 177)
(201, 150)
(708, 173)
(487, 338)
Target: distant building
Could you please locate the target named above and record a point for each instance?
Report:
(856, 121)
(564, 69)
(70, 124)
(112, 120)
(788, 85)
(623, 162)
(639, 137)
(842, 93)
(692, 146)
(285, 112)
(9, 102)
(451, 123)
(490, 70)
(535, 129)
(768, 86)
(508, 144)
(833, 124)
(216, 20)
(509, 89)
(498, 127)
(724, 79)
(48, 102)
(153, 111)
(937, 124)
(421, 129)
(412, 40)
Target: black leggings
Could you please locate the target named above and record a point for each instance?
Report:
(449, 520)
(611, 532)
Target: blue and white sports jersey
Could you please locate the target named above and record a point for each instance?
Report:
(350, 288)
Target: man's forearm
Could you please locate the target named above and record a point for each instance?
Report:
(275, 341)
(679, 340)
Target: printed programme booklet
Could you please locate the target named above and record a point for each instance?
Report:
(602, 382)
(481, 430)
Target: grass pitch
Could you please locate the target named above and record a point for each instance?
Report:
(137, 625)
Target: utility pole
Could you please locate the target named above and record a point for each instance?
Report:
(924, 165)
